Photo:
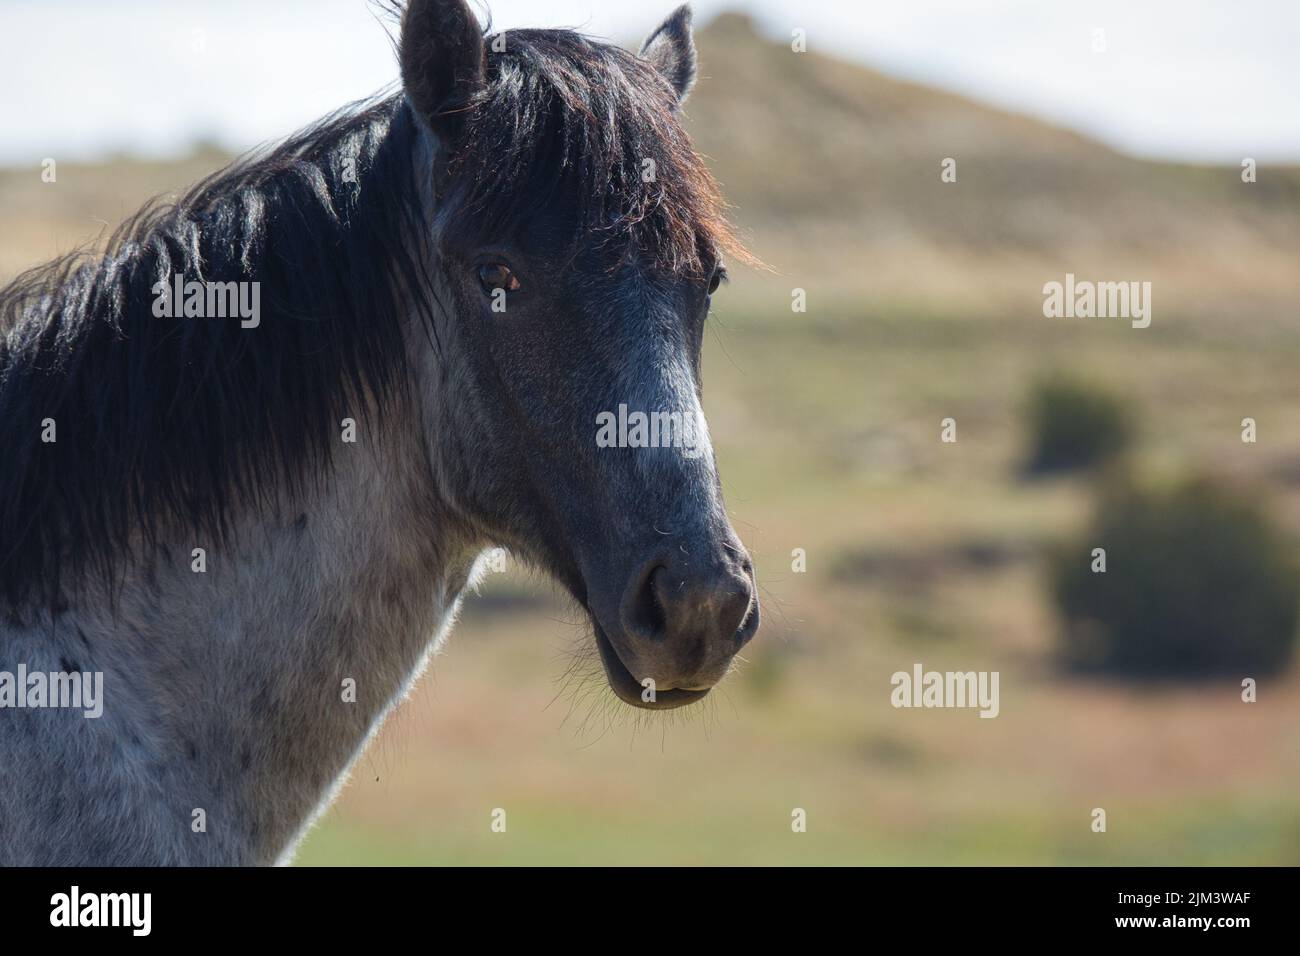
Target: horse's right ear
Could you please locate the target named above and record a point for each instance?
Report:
(442, 58)
(672, 51)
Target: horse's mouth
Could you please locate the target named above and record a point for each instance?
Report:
(629, 690)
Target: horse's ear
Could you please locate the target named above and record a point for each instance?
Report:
(442, 59)
(672, 51)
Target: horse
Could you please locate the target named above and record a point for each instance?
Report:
(255, 533)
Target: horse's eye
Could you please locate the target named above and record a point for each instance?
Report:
(497, 275)
(719, 276)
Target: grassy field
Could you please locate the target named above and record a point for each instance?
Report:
(828, 441)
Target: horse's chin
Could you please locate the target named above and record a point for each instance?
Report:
(629, 690)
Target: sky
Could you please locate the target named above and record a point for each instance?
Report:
(1194, 80)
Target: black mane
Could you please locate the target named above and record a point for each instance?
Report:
(181, 417)
(568, 123)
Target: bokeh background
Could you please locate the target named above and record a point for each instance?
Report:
(924, 302)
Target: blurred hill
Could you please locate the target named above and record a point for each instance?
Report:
(834, 171)
(841, 164)
(807, 140)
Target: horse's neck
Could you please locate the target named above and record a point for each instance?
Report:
(252, 685)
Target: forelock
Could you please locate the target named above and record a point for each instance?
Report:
(586, 135)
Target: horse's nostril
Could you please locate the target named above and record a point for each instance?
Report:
(737, 616)
(712, 608)
(645, 614)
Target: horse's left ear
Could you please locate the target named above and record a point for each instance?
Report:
(442, 60)
(672, 51)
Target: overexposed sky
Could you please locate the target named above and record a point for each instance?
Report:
(1206, 80)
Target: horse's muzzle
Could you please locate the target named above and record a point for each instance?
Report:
(676, 627)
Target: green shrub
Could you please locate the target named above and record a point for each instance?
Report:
(1074, 426)
(1197, 582)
